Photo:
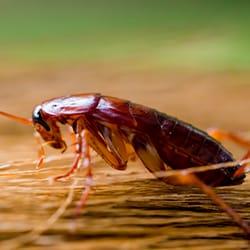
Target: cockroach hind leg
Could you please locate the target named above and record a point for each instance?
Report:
(73, 139)
(237, 138)
(243, 168)
(86, 164)
(182, 178)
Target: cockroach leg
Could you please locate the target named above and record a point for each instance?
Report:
(236, 138)
(86, 164)
(131, 152)
(107, 155)
(184, 179)
(72, 169)
(103, 149)
(242, 169)
(118, 144)
(220, 134)
(77, 159)
(223, 205)
(85, 149)
(109, 125)
(115, 142)
(85, 194)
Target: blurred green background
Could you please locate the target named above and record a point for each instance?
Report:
(205, 35)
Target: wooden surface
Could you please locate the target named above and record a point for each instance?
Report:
(127, 209)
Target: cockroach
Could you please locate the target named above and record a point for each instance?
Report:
(109, 125)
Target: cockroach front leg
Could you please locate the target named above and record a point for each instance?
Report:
(220, 134)
(117, 142)
(41, 151)
(110, 147)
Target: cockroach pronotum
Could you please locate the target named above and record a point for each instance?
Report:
(109, 125)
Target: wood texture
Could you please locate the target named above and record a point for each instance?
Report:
(128, 209)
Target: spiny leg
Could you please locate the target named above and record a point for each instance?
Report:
(220, 134)
(190, 179)
(90, 138)
(224, 206)
(115, 142)
(87, 138)
(86, 164)
(240, 171)
(120, 144)
(101, 148)
(77, 159)
(105, 148)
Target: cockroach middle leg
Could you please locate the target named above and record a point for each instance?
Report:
(242, 169)
(86, 164)
(91, 139)
(115, 142)
(113, 151)
(221, 134)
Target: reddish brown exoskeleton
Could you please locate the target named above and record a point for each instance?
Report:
(109, 125)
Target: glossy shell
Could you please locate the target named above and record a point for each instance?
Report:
(68, 105)
(179, 144)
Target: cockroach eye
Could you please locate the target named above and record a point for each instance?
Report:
(37, 118)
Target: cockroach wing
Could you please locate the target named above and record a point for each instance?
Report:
(147, 153)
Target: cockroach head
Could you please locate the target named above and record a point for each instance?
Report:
(37, 118)
(47, 129)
